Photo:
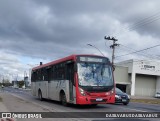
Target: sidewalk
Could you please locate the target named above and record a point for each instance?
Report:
(142, 97)
(2, 106)
(13, 103)
(145, 99)
(4, 109)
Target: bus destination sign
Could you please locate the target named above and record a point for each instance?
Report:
(92, 59)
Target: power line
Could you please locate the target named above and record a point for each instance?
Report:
(138, 51)
(142, 22)
(142, 53)
(145, 21)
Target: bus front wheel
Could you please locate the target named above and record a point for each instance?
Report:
(63, 99)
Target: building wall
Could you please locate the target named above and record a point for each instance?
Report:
(128, 90)
(144, 76)
(147, 67)
(121, 75)
(145, 85)
(128, 63)
(158, 84)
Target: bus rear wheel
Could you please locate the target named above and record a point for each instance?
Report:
(63, 99)
(40, 95)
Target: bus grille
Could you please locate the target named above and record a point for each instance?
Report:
(94, 100)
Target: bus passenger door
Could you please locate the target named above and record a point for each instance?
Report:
(48, 82)
(70, 77)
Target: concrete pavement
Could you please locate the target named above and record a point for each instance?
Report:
(3, 108)
(14, 104)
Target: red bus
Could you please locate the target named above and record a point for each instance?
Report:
(76, 79)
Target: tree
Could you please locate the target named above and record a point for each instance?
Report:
(6, 82)
(21, 83)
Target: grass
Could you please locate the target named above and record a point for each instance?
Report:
(149, 101)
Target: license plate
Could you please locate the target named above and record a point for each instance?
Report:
(99, 99)
(124, 100)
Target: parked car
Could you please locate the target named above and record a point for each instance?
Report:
(157, 95)
(121, 97)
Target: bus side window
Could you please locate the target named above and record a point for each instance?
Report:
(39, 75)
(56, 72)
(53, 73)
(36, 75)
(33, 77)
(49, 73)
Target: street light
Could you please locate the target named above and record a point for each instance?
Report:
(96, 48)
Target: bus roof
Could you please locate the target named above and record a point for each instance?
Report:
(71, 57)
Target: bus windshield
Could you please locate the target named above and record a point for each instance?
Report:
(94, 74)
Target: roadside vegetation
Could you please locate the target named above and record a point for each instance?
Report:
(149, 101)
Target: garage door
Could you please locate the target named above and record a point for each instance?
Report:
(145, 85)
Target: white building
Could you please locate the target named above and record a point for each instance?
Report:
(140, 78)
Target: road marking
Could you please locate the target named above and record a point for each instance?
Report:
(134, 109)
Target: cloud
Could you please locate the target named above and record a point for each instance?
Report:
(50, 29)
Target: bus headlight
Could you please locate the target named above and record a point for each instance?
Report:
(107, 93)
(112, 91)
(82, 92)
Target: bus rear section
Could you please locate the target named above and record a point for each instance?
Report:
(77, 79)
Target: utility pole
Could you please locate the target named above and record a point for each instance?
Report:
(112, 46)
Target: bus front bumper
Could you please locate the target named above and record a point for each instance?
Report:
(82, 100)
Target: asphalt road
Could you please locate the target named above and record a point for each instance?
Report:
(53, 106)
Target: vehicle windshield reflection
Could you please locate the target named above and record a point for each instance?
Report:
(94, 74)
(119, 91)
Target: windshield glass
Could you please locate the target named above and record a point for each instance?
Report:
(94, 74)
(118, 91)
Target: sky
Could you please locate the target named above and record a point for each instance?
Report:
(33, 31)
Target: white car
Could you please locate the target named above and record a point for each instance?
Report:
(157, 95)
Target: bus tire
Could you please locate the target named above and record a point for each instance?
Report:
(63, 99)
(40, 95)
